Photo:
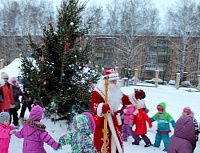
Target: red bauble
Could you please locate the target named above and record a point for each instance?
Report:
(49, 23)
(67, 39)
(67, 47)
(76, 26)
(43, 45)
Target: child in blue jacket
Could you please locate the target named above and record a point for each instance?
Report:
(163, 128)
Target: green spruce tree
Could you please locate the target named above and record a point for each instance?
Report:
(56, 69)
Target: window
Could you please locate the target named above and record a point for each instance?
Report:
(193, 52)
(192, 60)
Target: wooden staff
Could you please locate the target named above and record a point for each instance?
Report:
(105, 129)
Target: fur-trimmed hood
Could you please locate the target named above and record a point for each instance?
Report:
(33, 125)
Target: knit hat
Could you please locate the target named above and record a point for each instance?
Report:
(187, 110)
(13, 79)
(91, 119)
(2, 82)
(110, 72)
(4, 116)
(36, 113)
(4, 75)
(140, 94)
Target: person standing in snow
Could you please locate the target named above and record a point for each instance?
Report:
(187, 112)
(7, 92)
(16, 93)
(34, 133)
(116, 99)
(6, 130)
(140, 122)
(183, 139)
(80, 140)
(128, 121)
(163, 129)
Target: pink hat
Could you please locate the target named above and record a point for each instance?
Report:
(13, 79)
(112, 74)
(187, 110)
(4, 75)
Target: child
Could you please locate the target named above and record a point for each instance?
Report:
(140, 122)
(34, 133)
(5, 132)
(187, 112)
(183, 139)
(80, 140)
(128, 120)
(163, 128)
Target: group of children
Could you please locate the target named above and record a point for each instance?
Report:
(186, 128)
(34, 134)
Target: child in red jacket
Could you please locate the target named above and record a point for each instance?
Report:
(140, 122)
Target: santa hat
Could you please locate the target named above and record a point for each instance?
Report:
(110, 72)
(187, 110)
(2, 82)
(91, 119)
(4, 75)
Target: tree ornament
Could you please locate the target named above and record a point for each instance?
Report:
(31, 54)
(63, 30)
(45, 83)
(49, 23)
(38, 70)
(42, 58)
(20, 55)
(43, 45)
(67, 39)
(71, 23)
(76, 26)
(80, 38)
(22, 73)
(61, 9)
(67, 47)
(63, 75)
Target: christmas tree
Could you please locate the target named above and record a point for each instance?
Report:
(56, 70)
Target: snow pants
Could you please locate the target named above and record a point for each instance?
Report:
(161, 136)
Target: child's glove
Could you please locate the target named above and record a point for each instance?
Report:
(105, 108)
(12, 132)
(131, 125)
(1, 99)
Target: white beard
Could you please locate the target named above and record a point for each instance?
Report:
(114, 97)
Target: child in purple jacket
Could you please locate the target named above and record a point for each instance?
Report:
(183, 140)
(5, 132)
(34, 133)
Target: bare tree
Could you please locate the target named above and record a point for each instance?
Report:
(183, 21)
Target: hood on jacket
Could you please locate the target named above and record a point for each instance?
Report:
(163, 105)
(36, 113)
(82, 124)
(29, 126)
(185, 129)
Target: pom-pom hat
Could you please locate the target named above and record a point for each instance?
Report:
(110, 72)
(187, 110)
(4, 75)
(4, 116)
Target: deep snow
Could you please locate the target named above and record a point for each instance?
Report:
(175, 101)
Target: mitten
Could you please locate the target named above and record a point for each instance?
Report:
(1, 99)
(12, 132)
(131, 125)
(105, 108)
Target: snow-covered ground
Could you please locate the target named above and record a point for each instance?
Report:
(175, 101)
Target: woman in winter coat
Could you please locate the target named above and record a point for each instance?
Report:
(140, 122)
(183, 140)
(7, 94)
(80, 139)
(34, 133)
(15, 107)
(128, 122)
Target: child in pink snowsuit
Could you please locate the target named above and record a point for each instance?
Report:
(128, 122)
(5, 132)
(34, 133)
